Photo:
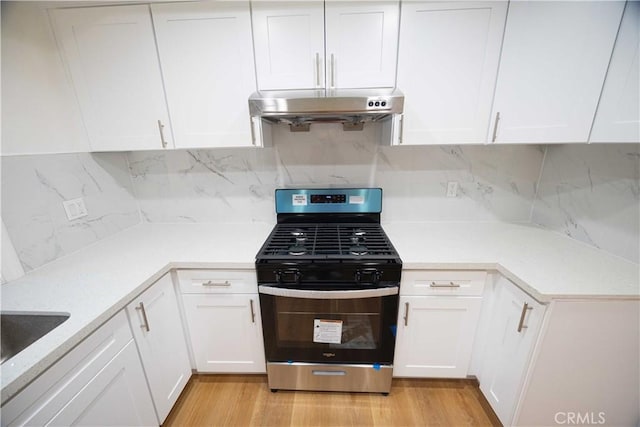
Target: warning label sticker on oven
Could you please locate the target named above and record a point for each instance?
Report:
(327, 331)
(299, 199)
(356, 200)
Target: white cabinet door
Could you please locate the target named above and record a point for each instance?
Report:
(447, 65)
(99, 382)
(435, 336)
(206, 55)
(554, 59)
(289, 44)
(311, 45)
(117, 396)
(112, 58)
(361, 44)
(157, 329)
(618, 115)
(513, 332)
(226, 332)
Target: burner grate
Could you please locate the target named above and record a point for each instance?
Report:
(326, 241)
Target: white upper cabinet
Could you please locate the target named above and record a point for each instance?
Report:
(206, 54)
(554, 59)
(311, 45)
(447, 65)
(618, 115)
(289, 44)
(361, 44)
(112, 59)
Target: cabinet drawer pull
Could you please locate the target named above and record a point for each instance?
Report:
(406, 314)
(213, 284)
(525, 308)
(161, 128)
(448, 285)
(144, 317)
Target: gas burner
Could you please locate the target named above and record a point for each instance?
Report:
(359, 232)
(297, 250)
(300, 240)
(298, 232)
(358, 250)
(356, 239)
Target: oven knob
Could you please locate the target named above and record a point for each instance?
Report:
(373, 273)
(288, 276)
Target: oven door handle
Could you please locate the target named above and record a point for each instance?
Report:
(313, 294)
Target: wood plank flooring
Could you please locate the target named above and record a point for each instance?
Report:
(245, 400)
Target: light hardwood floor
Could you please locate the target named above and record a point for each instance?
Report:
(245, 400)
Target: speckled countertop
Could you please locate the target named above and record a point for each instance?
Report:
(98, 281)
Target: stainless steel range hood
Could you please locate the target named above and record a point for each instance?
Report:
(351, 107)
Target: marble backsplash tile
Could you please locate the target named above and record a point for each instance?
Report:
(592, 193)
(34, 187)
(496, 183)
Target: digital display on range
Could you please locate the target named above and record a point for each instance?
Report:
(328, 198)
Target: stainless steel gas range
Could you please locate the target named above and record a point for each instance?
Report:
(328, 279)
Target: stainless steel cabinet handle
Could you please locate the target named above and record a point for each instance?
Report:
(333, 71)
(253, 132)
(406, 314)
(211, 283)
(144, 317)
(317, 69)
(525, 308)
(495, 127)
(449, 285)
(401, 130)
(161, 128)
(253, 313)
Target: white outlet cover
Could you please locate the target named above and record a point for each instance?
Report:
(75, 208)
(452, 189)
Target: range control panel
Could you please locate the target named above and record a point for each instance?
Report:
(378, 103)
(328, 198)
(331, 200)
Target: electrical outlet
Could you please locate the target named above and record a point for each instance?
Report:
(452, 189)
(75, 208)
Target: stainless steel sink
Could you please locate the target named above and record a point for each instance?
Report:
(20, 330)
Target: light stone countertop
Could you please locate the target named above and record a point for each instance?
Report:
(96, 282)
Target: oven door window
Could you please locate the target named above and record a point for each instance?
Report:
(329, 330)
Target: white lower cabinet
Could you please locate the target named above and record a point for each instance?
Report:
(511, 335)
(435, 336)
(437, 321)
(159, 335)
(99, 382)
(223, 318)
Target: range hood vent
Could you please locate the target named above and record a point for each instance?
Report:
(351, 107)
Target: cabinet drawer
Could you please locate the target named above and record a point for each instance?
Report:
(217, 281)
(441, 282)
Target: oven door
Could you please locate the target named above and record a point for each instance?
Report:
(337, 326)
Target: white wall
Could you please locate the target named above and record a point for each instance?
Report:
(592, 193)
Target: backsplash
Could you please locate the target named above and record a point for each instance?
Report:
(34, 187)
(496, 183)
(588, 192)
(592, 193)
